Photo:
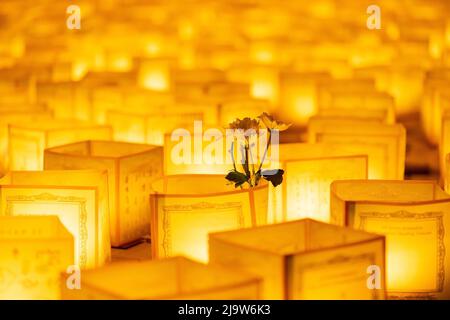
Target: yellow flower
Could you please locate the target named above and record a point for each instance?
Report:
(245, 124)
(273, 124)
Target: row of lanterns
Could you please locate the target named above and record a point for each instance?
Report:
(87, 150)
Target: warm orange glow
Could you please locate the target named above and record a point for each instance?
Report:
(33, 253)
(414, 217)
(78, 198)
(175, 278)
(188, 207)
(303, 259)
(131, 169)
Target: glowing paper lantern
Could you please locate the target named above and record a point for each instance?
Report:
(385, 144)
(33, 253)
(304, 259)
(305, 192)
(78, 198)
(36, 113)
(372, 106)
(241, 108)
(298, 95)
(265, 84)
(154, 74)
(415, 218)
(444, 143)
(328, 90)
(148, 127)
(119, 97)
(175, 278)
(184, 155)
(131, 169)
(403, 82)
(436, 85)
(28, 141)
(185, 208)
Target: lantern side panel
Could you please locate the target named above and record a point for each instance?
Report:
(135, 177)
(307, 184)
(416, 238)
(337, 273)
(270, 267)
(182, 224)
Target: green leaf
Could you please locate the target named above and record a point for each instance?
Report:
(274, 176)
(237, 178)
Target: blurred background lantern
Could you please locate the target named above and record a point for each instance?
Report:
(303, 259)
(185, 208)
(385, 144)
(28, 114)
(148, 127)
(168, 279)
(414, 216)
(27, 141)
(78, 198)
(305, 191)
(33, 253)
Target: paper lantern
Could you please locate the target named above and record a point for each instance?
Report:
(298, 95)
(242, 108)
(183, 154)
(124, 97)
(185, 208)
(58, 97)
(148, 128)
(385, 144)
(415, 218)
(28, 141)
(78, 198)
(305, 192)
(304, 259)
(33, 114)
(404, 82)
(436, 84)
(33, 253)
(371, 106)
(131, 169)
(168, 279)
(444, 143)
(329, 89)
(154, 74)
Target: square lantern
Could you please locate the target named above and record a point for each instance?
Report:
(33, 253)
(241, 108)
(299, 94)
(155, 73)
(404, 82)
(435, 86)
(304, 259)
(385, 144)
(329, 90)
(372, 106)
(176, 278)
(33, 114)
(415, 218)
(131, 169)
(119, 97)
(60, 97)
(148, 127)
(309, 170)
(27, 141)
(185, 208)
(444, 142)
(183, 154)
(78, 198)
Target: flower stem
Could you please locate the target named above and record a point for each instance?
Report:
(265, 151)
